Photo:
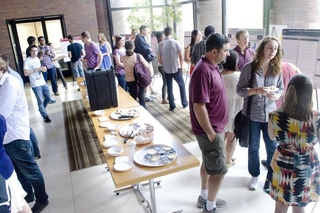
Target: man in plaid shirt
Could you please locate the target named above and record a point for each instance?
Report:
(46, 55)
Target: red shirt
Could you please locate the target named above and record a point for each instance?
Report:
(244, 58)
(207, 86)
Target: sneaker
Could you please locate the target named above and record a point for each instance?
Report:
(264, 163)
(56, 94)
(201, 203)
(149, 99)
(52, 101)
(66, 88)
(38, 207)
(78, 89)
(29, 199)
(47, 119)
(215, 210)
(37, 157)
(254, 183)
(165, 102)
(153, 96)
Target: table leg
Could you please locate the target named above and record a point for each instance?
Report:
(152, 196)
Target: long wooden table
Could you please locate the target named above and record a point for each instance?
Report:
(137, 173)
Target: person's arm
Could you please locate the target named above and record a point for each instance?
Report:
(109, 50)
(187, 58)
(69, 54)
(202, 116)
(28, 72)
(271, 132)
(117, 60)
(49, 52)
(143, 61)
(296, 69)
(8, 98)
(99, 61)
(58, 58)
(180, 59)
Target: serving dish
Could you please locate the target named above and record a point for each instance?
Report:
(155, 155)
(135, 129)
(124, 114)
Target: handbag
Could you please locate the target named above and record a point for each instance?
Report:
(242, 122)
(241, 129)
(141, 74)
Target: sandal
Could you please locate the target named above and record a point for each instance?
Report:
(232, 163)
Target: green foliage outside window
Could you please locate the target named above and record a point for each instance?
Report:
(142, 14)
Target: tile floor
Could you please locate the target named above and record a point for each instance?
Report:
(91, 190)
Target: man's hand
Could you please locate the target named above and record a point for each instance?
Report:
(43, 69)
(212, 136)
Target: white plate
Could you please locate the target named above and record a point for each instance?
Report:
(99, 112)
(124, 112)
(137, 128)
(122, 167)
(155, 155)
(104, 124)
(110, 141)
(115, 151)
(272, 90)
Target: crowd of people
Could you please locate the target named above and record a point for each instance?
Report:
(225, 82)
(222, 83)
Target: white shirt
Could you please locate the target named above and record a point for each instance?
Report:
(169, 49)
(14, 107)
(36, 79)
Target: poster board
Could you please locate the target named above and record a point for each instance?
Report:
(186, 39)
(302, 48)
(276, 31)
(255, 36)
(64, 45)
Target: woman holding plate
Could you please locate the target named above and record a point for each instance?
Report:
(261, 92)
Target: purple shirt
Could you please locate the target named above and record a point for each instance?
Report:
(207, 86)
(244, 58)
(92, 52)
(121, 52)
(46, 59)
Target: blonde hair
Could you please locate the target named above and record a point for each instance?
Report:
(102, 36)
(275, 63)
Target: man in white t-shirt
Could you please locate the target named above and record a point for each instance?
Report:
(32, 68)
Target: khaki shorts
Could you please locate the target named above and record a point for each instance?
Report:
(213, 154)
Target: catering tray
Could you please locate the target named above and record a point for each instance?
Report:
(155, 155)
(124, 114)
(135, 129)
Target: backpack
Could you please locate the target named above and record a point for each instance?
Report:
(141, 74)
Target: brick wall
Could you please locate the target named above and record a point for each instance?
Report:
(210, 13)
(295, 13)
(80, 15)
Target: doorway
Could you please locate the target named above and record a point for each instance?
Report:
(51, 27)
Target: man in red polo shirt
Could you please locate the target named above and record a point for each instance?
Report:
(208, 114)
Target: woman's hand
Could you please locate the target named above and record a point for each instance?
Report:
(273, 96)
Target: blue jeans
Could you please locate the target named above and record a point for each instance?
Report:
(254, 146)
(40, 92)
(136, 91)
(164, 85)
(179, 79)
(34, 142)
(122, 81)
(53, 77)
(28, 172)
(77, 69)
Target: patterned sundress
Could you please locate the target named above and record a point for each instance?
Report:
(293, 176)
